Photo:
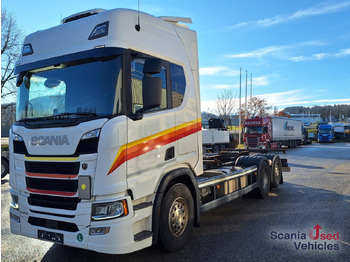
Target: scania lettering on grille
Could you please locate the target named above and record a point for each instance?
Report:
(49, 140)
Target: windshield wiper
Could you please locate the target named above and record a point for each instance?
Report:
(71, 115)
(60, 116)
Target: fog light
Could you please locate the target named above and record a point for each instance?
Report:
(15, 218)
(99, 230)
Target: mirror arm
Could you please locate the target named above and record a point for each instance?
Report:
(138, 115)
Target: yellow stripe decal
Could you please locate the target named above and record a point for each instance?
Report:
(146, 144)
(52, 159)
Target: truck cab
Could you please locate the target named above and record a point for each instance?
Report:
(108, 106)
(257, 133)
(325, 133)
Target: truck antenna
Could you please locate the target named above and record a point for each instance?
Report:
(138, 26)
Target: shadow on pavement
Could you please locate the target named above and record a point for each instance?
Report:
(241, 230)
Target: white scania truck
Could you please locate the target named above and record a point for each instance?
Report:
(106, 150)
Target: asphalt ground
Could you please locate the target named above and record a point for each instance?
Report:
(315, 192)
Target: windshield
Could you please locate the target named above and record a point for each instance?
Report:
(325, 131)
(253, 130)
(85, 89)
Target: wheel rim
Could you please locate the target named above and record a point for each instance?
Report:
(178, 216)
(2, 169)
(265, 181)
(277, 172)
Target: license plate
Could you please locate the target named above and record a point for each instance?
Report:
(51, 236)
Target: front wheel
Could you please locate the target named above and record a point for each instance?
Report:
(4, 167)
(176, 219)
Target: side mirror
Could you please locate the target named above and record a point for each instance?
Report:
(19, 80)
(151, 92)
(152, 66)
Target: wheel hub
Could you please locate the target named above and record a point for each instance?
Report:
(178, 216)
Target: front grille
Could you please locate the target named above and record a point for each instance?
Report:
(52, 184)
(252, 141)
(68, 203)
(64, 168)
(53, 224)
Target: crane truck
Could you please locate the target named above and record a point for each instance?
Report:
(106, 150)
(216, 137)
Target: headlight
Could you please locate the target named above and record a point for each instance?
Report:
(91, 134)
(110, 210)
(16, 137)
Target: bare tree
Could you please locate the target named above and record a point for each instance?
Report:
(256, 107)
(11, 41)
(225, 105)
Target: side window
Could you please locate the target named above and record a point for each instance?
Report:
(136, 85)
(178, 84)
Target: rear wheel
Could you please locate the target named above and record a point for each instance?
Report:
(276, 169)
(276, 172)
(216, 149)
(264, 173)
(176, 219)
(264, 176)
(222, 148)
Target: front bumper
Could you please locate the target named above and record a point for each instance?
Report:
(119, 240)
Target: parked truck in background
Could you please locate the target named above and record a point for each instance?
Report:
(271, 132)
(106, 152)
(215, 137)
(347, 131)
(339, 131)
(306, 139)
(325, 133)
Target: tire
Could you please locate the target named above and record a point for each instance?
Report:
(264, 178)
(276, 169)
(176, 218)
(222, 148)
(264, 173)
(276, 172)
(4, 167)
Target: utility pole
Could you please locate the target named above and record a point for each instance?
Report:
(240, 110)
(246, 94)
(251, 86)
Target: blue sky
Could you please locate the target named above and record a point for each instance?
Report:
(297, 51)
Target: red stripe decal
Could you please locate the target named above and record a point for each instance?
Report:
(149, 145)
(50, 175)
(47, 192)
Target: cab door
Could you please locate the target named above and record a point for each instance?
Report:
(150, 148)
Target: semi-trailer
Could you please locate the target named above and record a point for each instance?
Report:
(271, 132)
